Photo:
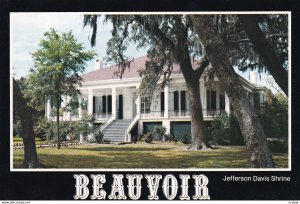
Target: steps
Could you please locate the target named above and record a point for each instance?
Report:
(115, 132)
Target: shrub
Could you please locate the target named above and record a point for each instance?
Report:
(225, 130)
(160, 131)
(278, 144)
(220, 129)
(186, 139)
(99, 137)
(148, 137)
(170, 137)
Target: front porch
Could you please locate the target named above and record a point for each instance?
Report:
(125, 103)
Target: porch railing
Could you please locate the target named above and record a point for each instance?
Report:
(181, 113)
(130, 126)
(152, 114)
(212, 112)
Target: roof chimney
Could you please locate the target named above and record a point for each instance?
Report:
(98, 64)
(253, 77)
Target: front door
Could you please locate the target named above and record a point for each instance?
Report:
(120, 114)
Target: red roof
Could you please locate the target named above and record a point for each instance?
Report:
(131, 72)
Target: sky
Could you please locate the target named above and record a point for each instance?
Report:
(27, 30)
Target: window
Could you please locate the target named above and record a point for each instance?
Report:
(222, 102)
(103, 104)
(109, 103)
(256, 98)
(94, 103)
(211, 100)
(176, 106)
(182, 99)
(162, 101)
(145, 104)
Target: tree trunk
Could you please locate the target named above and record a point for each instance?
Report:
(250, 125)
(30, 154)
(57, 120)
(192, 77)
(199, 138)
(25, 114)
(265, 50)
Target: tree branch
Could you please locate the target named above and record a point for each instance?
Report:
(265, 50)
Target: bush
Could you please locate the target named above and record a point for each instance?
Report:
(186, 139)
(220, 129)
(99, 137)
(170, 137)
(225, 130)
(148, 137)
(278, 144)
(274, 116)
(46, 130)
(160, 131)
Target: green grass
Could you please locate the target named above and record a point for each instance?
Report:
(142, 155)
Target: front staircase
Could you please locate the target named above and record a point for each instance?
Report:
(115, 131)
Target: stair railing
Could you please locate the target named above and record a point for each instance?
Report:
(130, 126)
(104, 124)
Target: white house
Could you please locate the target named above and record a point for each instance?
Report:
(122, 113)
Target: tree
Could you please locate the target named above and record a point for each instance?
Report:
(257, 42)
(249, 122)
(56, 67)
(170, 40)
(24, 113)
(265, 50)
(274, 115)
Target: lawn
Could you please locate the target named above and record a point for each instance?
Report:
(142, 155)
(19, 140)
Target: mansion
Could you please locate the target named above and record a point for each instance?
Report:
(120, 113)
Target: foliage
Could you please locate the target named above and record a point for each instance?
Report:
(99, 137)
(56, 66)
(274, 116)
(45, 129)
(161, 131)
(170, 137)
(225, 130)
(186, 139)
(242, 53)
(220, 130)
(148, 137)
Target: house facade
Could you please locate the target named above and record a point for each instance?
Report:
(121, 114)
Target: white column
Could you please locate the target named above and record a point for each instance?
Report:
(138, 104)
(81, 138)
(140, 127)
(227, 104)
(68, 98)
(79, 108)
(166, 96)
(48, 109)
(167, 125)
(114, 102)
(90, 102)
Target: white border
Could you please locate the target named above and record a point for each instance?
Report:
(156, 170)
